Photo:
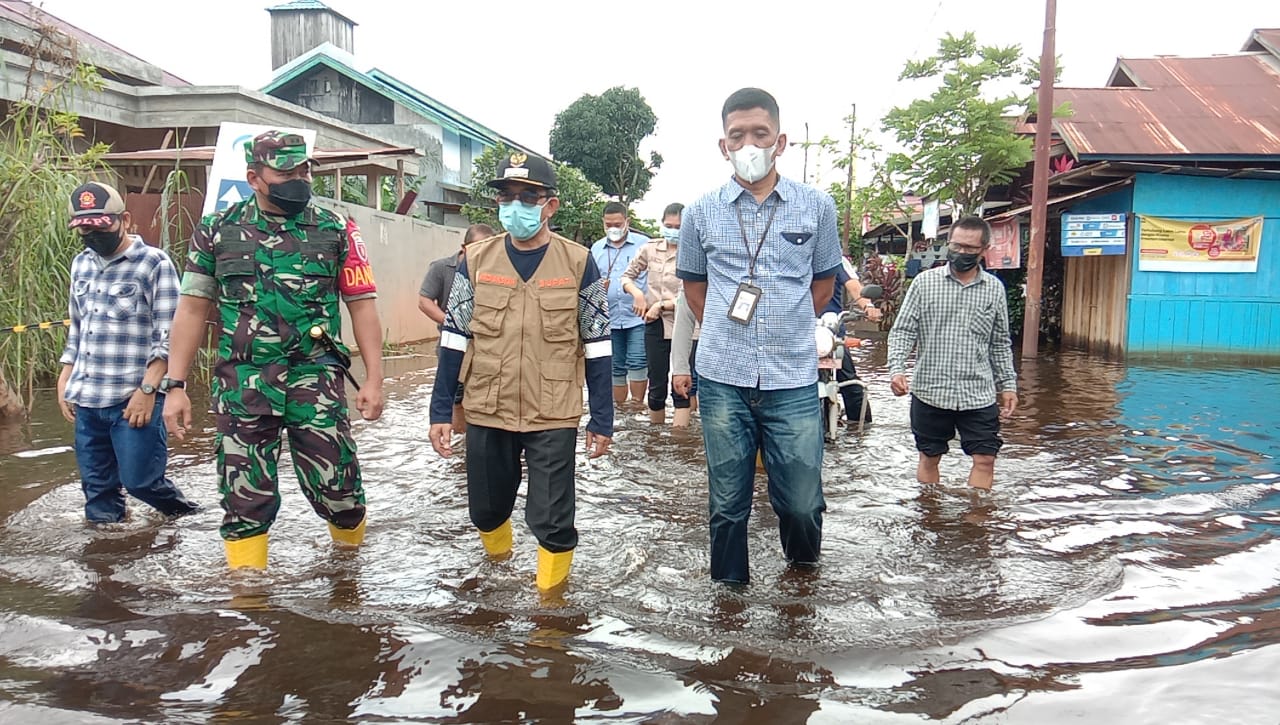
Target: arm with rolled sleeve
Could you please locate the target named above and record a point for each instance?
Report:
(593, 328)
(72, 348)
(1002, 350)
(691, 261)
(905, 332)
(164, 303)
(638, 266)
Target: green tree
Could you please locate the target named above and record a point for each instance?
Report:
(957, 142)
(581, 201)
(601, 135)
(44, 155)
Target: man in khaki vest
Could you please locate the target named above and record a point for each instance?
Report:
(527, 320)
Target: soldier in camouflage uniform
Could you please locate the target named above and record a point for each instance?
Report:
(275, 265)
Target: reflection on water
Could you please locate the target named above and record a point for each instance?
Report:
(1126, 560)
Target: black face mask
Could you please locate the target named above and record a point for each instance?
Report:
(962, 262)
(291, 196)
(104, 243)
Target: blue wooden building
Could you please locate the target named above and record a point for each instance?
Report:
(1183, 155)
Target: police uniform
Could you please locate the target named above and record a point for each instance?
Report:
(273, 279)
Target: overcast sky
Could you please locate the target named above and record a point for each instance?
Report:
(513, 65)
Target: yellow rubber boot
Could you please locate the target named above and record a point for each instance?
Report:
(350, 538)
(553, 568)
(497, 543)
(250, 553)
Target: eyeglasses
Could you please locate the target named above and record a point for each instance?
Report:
(964, 248)
(528, 197)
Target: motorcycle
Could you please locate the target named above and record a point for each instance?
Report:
(832, 346)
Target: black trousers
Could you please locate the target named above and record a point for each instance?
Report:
(852, 394)
(657, 348)
(493, 477)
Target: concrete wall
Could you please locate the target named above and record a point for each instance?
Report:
(400, 249)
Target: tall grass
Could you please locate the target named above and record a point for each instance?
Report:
(43, 157)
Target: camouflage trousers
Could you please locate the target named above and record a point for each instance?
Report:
(324, 459)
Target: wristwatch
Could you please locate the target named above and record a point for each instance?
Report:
(167, 384)
(147, 389)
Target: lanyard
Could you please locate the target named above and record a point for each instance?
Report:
(751, 265)
(613, 258)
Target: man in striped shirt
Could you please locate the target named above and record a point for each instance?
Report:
(956, 318)
(123, 296)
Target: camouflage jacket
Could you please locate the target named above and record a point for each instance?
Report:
(273, 278)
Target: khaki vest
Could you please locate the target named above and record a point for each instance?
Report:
(524, 369)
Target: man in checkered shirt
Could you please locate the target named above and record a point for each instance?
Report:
(123, 296)
(956, 318)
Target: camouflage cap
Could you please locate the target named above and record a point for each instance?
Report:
(279, 150)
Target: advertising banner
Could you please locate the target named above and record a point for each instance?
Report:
(1176, 245)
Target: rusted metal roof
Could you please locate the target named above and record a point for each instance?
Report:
(1220, 106)
(1065, 199)
(1265, 40)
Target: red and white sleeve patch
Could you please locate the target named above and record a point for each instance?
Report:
(356, 277)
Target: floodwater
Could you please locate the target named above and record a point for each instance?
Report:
(1125, 569)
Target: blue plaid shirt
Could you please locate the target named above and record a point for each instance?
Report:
(775, 351)
(121, 310)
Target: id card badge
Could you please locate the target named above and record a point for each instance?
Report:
(743, 306)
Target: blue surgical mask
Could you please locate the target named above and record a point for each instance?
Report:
(520, 220)
(671, 233)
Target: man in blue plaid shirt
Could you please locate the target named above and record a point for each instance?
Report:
(758, 257)
(123, 296)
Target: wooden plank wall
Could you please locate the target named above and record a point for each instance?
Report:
(1095, 299)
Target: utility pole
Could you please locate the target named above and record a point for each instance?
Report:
(806, 152)
(805, 146)
(1040, 186)
(853, 159)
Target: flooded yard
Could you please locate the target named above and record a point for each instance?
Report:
(1126, 568)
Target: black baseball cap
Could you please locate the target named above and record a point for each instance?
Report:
(95, 205)
(522, 167)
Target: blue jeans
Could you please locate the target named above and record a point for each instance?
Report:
(112, 455)
(786, 426)
(629, 362)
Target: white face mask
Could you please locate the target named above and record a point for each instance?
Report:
(671, 233)
(614, 234)
(752, 163)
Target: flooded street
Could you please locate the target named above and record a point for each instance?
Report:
(1126, 569)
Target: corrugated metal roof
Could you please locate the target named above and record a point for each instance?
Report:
(307, 5)
(1220, 106)
(1264, 39)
